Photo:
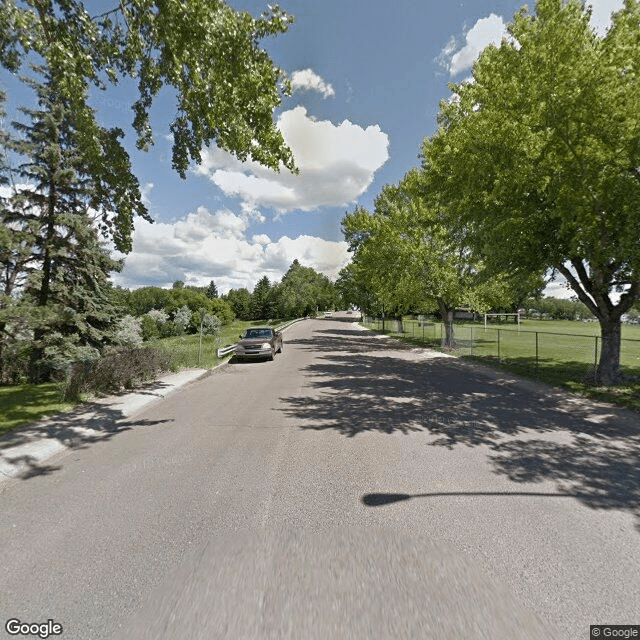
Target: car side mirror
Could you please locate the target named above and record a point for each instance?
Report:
(241, 335)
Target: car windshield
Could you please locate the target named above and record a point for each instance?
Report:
(258, 333)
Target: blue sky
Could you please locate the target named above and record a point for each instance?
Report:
(368, 76)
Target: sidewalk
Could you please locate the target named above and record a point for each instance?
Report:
(24, 450)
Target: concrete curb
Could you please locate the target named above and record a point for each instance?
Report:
(24, 449)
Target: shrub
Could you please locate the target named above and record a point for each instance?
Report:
(129, 332)
(149, 328)
(122, 368)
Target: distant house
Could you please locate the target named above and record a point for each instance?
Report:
(465, 314)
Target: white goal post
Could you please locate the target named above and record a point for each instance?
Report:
(491, 315)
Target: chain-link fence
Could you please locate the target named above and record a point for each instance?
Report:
(553, 356)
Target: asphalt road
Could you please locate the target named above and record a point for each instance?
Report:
(352, 488)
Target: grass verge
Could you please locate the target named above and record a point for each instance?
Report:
(25, 403)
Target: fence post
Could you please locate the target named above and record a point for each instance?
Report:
(537, 350)
(498, 345)
(471, 347)
(595, 361)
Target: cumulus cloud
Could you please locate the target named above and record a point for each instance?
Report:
(485, 31)
(208, 245)
(307, 80)
(337, 164)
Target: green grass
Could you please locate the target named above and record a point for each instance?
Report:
(25, 403)
(563, 353)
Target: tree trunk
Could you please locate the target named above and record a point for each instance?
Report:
(447, 318)
(608, 372)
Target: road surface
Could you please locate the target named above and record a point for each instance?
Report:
(352, 488)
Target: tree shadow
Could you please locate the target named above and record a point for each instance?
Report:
(77, 429)
(360, 384)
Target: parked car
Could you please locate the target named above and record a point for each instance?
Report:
(259, 342)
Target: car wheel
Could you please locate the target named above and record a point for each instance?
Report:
(280, 349)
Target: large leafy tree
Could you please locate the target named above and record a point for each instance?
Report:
(226, 85)
(539, 157)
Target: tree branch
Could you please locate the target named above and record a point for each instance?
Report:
(582, 295)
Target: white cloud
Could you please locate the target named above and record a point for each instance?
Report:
(601, 14)
(337, 164)
(307, 80)
(484, 32)
(145, 192)
(203, 246)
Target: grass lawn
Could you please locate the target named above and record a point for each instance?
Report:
(559, 352)
(25, 403)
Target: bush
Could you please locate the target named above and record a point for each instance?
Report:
(129, 332)
(149, 328)
(122, 368)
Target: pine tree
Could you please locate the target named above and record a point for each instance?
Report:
(212, 291)
(67, 201)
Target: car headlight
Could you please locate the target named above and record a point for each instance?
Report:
(266, 345)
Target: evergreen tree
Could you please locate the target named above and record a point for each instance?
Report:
(212, 290)
(67, 292)
(261, 299)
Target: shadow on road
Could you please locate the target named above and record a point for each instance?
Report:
(77, 429)
(361, 384)
(381, 499)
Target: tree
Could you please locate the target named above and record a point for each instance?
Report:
(302, 291)
(538, 158)
(261, 300)
(240, 301)
(66, 294)
(212, 290)
(178, 284)
(409, 258)
(226, 85)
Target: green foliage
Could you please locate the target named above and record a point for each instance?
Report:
(58, 296)
(226, 86)
(537, 159)
(212, 290)
(407, 258)
(146, 299)
(149, 328)
(558, 309)
(240, 302)
(262, 302)
(303, 291)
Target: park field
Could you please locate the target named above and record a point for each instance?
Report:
(559, 352)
